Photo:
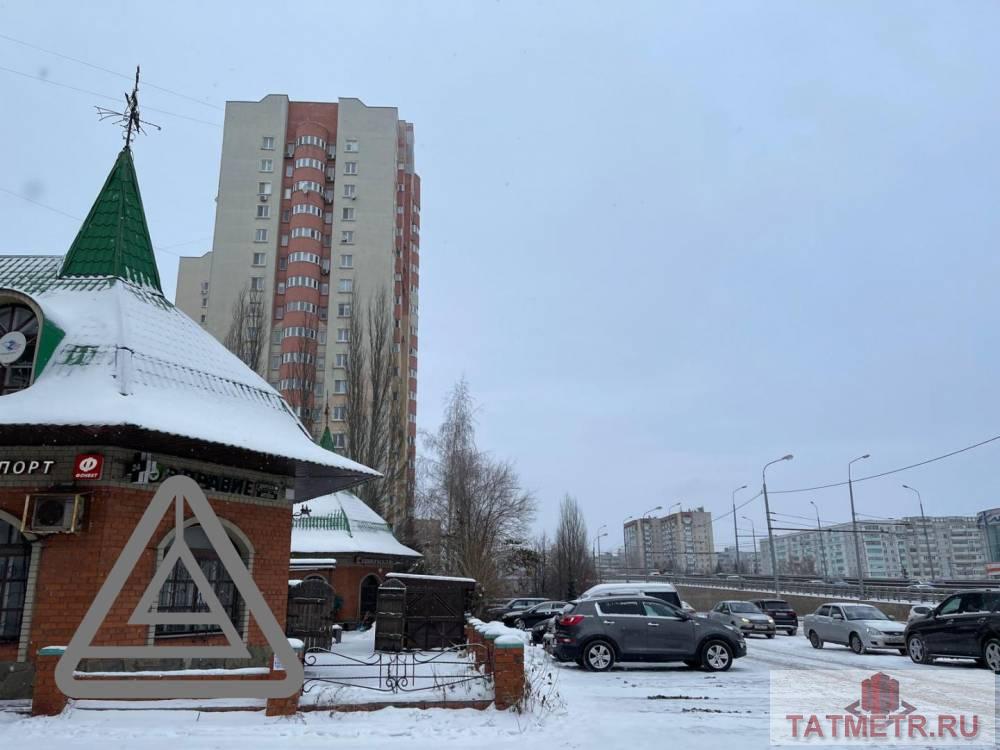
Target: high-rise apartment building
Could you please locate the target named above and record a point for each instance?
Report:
(318, 213)
(681, 542)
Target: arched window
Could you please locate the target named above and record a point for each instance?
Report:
(180, 593)
(15, 552)
(18, 339)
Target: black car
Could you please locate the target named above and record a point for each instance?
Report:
(785, 618)
(965, 625)
(595, 633)
(530, 617)
(513, 605)
(541, 628)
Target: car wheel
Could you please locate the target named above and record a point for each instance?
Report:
(519, 624)
(917, 650)
(857, 645)
(991, 654)
(599, 656)
(815, 639)
(790, 631)
(769, 635)
(716, 656)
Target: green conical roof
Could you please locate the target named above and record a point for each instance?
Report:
(114, 239)
(326, 441)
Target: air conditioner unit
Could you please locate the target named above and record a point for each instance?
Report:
(54, 513)
(263, 197)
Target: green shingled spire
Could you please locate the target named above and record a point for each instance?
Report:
(326, 441)
(114, 240)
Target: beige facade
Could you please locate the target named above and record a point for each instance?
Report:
(681, 542)
(333, 183)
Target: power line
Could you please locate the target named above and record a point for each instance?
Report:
(891, 471)
(103, 96)
(146, 84)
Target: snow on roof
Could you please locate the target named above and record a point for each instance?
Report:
(341, 523)
(130, 358)
(430, 578)
(313, 562)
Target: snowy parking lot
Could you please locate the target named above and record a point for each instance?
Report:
(632, 706)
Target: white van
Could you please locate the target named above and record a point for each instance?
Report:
(664, 591)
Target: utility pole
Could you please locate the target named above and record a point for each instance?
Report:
(770, 533)
(822, 546)
(923, 520)
(736, 530)
(753, 536)
(854, 526)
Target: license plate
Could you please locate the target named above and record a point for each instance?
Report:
(762, 627)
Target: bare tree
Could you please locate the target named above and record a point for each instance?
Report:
(376, 422)
(573, 565)
(246, 337)
(485, 510)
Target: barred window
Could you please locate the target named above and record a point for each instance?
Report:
(180, 593)
(15, 553)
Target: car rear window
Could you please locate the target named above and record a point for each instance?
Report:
(620, 608)
(670, 597)
(773, 604)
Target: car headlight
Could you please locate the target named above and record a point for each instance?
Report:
(745, 620)
(874, 631)
(770, 620)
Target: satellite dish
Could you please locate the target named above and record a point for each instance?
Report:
(12, 346)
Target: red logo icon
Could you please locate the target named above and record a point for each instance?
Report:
(88, 466)
(880, 697)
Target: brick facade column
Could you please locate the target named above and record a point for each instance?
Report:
(47, 699)
(285, 706)
(508, 674)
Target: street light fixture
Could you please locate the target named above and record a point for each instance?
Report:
(923, 520)
(736, 530)
(753, 533)
(767, 514)
(597, 541)
(822, 547)
(854, 526)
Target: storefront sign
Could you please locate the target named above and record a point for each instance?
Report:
(26, 467)
(145, 470)
(88, 466)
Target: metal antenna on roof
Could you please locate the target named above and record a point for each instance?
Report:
(129, 119)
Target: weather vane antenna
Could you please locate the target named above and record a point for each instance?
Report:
(128, 120)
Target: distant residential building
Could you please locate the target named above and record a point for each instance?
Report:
(725, 559)
(988, 522)
(952, 547)
(681, 542)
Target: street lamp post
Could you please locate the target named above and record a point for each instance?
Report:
(753, 534)
(822, 547)
(597, 539)
(767, 513)
(923, 520)
(645, 516)
(736, 530)
(854, 526)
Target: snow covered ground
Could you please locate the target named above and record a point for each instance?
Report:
(631, 707)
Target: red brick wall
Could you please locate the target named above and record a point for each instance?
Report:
(346, 581)
(73, 566)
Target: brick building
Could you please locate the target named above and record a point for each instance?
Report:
(106, 389)
(351, 547)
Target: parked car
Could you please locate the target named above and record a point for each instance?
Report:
(663, 591)
(921, 586)
(745, 616)
(543, 628)
(919, 610)
(785, 618)
(862, 627)
(965, 626)
(687, 607)
(528, 618)
(599, 631)
(514, 605)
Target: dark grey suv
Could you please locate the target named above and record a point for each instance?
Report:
(595, 633)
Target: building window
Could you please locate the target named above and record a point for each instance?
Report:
(279, 312)
(180, 592)
(350, 190)
(260, 235)
(307, 208)
(288, 194)
(343, 335)
(345, 285)
(338, 413)
(347, 237)
(313, 234)
(259, 259)
(340, 359)
(306, 281)
(347, 261)
(267, 143)
(286, 215)
(350, 167)
(339, 439)
(202, 318)
(263, 188)
(284, 240)
(15, 552)
(204, 302)
(351, 146)
(324, 288)
(275, 361)
(310, 140)
(263, 211)
(309, 186)
(303, 257)
(309, 163)
(257, 283)
(344, 310)
(266, 165)
(347, 213)
(340, 386)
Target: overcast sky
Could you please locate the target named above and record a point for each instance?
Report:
(664, 242)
